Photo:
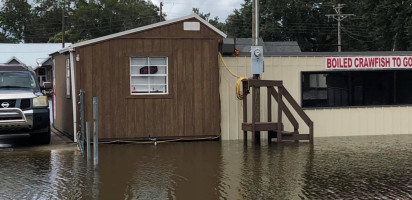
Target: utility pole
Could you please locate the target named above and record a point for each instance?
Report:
(63, 15)
(339, 17)
(256, 90)
(161, 6)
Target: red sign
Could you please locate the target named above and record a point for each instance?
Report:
(369, 62)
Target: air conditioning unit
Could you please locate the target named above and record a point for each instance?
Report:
(228, 46)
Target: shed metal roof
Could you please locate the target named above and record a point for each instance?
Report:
(143, 28)
(30, 54)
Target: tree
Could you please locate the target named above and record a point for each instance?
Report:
(382, 25)
(215, 21)
(239, 24)
(104, 17)
(16, 19)
(47, 19)
(87, 19)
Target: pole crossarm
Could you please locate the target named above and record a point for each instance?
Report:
(339, 17)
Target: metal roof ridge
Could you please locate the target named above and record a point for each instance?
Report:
(135, 30)
(14, 58)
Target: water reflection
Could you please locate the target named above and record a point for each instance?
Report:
(334, 168)
(368, 167)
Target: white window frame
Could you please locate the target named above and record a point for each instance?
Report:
(68, 79)
(149, 75)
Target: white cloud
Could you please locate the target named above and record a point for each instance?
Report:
(179, 8)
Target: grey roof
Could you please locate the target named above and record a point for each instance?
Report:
(335, 54)
(243, 45)
(289, 46)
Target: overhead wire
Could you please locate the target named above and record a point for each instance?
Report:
(238, 92)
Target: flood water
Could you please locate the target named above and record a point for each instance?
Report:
(333, 168)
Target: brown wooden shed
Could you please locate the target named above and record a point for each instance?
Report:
(156, 81)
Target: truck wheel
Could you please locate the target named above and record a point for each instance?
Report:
(41, 138)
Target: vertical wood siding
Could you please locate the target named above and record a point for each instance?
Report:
(64, 114)
(192, 107)
(378, 120)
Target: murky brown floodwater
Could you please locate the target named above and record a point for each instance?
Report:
(334, 168)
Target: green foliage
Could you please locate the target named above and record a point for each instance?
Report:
(16, 19)
(378, 25)
(104, 17)
(42, 22)
(215, 21)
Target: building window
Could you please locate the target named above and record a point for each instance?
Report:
(148, 75)
(356, 88)
(67, 78)
(41, 71)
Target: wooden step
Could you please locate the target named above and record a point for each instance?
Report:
(296, 137)
(288, 133)
(273, 134)
(261, 126)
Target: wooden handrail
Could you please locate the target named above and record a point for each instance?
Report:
(263, 83)
(285, 109)
(297, 108)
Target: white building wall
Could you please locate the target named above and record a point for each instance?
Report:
(377, 120)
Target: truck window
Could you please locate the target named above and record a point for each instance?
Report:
(17, 80)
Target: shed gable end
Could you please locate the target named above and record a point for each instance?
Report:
(181, 29)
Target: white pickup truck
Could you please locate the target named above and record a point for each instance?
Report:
(23, 108)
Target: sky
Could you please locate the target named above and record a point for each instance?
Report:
(179, 8)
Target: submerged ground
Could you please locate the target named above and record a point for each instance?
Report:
(333, 168)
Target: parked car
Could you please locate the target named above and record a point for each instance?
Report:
(23, 108)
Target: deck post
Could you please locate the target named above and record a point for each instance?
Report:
(311, 133)
(269, 99)
(245, 89)
(280, 104)
(269, 110)
(255, 115)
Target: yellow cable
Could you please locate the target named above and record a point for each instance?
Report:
(239, 94)
(227, 68)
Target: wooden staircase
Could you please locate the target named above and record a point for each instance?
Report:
(275, 129)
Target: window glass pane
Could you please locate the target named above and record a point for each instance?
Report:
(157, 61)
(377, 87)
(135, 70)
(158, 89)
(404, 87)
(139, 61)
(314, 91)
(325, 89)
(41, 71)
(140, 88)
(140, 80)
(158, 80)
(161, 70)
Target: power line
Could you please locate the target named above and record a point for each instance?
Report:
(339, 17)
